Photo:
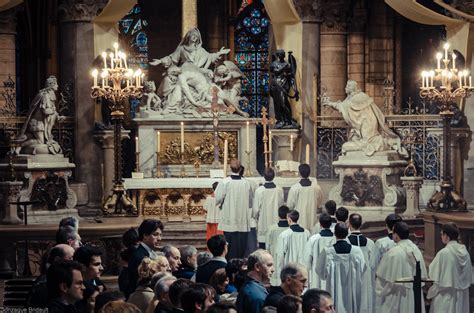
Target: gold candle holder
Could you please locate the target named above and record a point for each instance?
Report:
(248, 170)
(183, 169)
(137, 161)
(159, 173)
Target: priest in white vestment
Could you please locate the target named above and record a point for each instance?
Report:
(271, 240)
(451, 271)
(291, 242)
(306, 197)
(342, 266)
(252, 243)
(234, 195)
(356, 238)
(268, 198)
(399, 263)
(314, 248)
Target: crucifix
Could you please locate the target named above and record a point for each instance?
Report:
(267, 145)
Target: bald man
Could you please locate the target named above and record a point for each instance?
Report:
(234, 195)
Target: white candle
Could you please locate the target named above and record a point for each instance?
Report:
(182, 137)
(116, 48)
(95, 72)
(270, 141)
(307, 154)
(431, 78)
(158, 141)
(454, 61)
(248, 136)
(446, 47)
(438, 57)
(226, 152)
(423, 74)
(125, 60)
(137, 147)
(291, 143)
(470, 81)
(104, 56)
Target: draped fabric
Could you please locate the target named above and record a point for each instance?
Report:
(106, 23)
(288, 34)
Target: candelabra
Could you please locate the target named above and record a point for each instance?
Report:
(445, 86)
(159, 173)
(118, 83)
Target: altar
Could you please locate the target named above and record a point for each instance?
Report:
(182, 199)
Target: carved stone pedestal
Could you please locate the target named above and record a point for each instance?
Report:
(9, 192)
(412, 187)
(370, 186)
(281, 144)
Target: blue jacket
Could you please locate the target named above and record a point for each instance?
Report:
(251, 296)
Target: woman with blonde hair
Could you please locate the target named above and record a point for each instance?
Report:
(119, 307)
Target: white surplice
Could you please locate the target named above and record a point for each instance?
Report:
(343, 275)
(234, 194)
(314, 248)
(451, 271)
(367, 301)
(266, 202)
(290, 246)
(399, 263)
(306, 200)
(271, 243)
(213, 212)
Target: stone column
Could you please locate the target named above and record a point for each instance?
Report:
(310, 15)
(7, 52)
(106, 141)
(189, 16)
(76, 57)
(356, 45)
(10, 192)
(412, 185)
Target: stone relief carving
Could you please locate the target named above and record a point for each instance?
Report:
(362, 189)
(80, 10)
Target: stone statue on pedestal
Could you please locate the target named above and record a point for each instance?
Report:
(186, 87)
(282, 76)
(36, 135)
(368, 131)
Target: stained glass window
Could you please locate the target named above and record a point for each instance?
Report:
(252, 57)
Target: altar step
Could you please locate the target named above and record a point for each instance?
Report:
(376, 230)
(180, 234)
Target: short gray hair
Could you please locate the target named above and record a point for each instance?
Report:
(167, 249)
(256, 258)
(290, 270)
(187, 251)
(161, 285)
(203, 257)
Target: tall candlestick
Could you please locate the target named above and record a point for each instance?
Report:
(248, 136)
(95, 72)
(182, 137)
(454, 60)
(226, 152)
(125, 60)
(270, 141)
(438, 57)
(158, 141)
(446, 47)
(137, 147)
(307, 154)
(291, 143)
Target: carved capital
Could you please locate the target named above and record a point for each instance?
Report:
(8, 21)
(309, 10)
(336, 15)
(80, 10)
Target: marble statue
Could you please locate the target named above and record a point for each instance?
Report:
(36, 136)
(282, 80)
(150, 100)
(191, 74)
(368, 131)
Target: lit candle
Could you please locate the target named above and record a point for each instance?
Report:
(103, 75)
(158, 142)
(307, 154)
(248, 136)
(125, 60)
(270, 141)
(139, 75)
(137, 147)
(116, 48)
(446, 47)
(291, 142)
(439, 55)
(423, 75)
(119, 56)
(182, 137)
(470, 81)
(454, 60)
(95, 72)
(111, 55)
(226, 152)
(104, 56)
(431, 78)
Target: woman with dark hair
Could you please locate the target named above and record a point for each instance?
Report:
(219, 281)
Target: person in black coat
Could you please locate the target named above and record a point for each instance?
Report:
(218, 247)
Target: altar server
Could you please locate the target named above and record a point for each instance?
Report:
(234, 195)
(268, 198)
(314, 248)
(368, 277)
(342, 266)
(306, 197)
(212, 214)
(271, 240)
(398, 263)
(291, 242)
(330, 207)
(252, 243)
(451, 271)
(384, 244)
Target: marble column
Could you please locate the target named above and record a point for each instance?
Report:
(10, 192)
(310, 14)
(76, 57)
(8, 25)
(356, 44)
(106, 141)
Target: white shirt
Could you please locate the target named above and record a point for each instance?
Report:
(271, 243)
(268, 198)
(213, 212)
(306, 200)
(290, 247)
(314, 248)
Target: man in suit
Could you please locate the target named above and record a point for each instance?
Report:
(218, 247)
(149, 234)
